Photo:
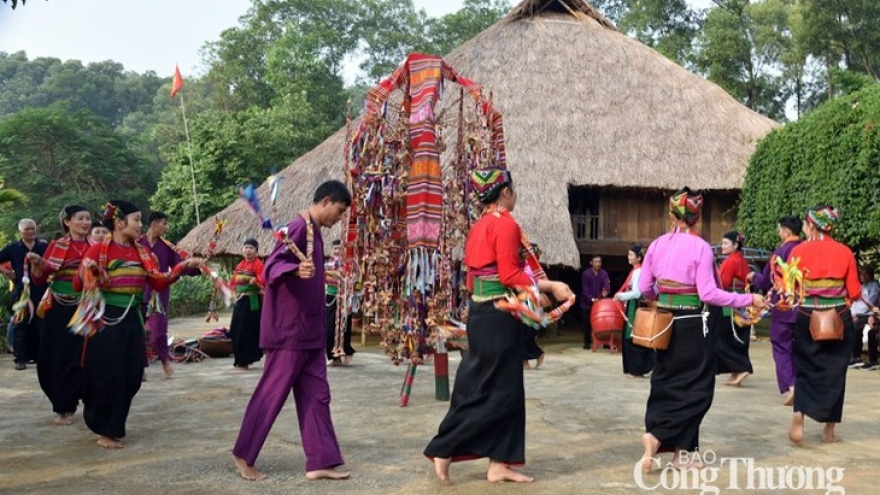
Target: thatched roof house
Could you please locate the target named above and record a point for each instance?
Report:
(583, 105)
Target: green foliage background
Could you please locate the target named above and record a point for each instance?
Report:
(831, 156)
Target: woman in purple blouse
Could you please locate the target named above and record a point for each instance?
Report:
(679, 273)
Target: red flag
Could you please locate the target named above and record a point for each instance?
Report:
(177, 83)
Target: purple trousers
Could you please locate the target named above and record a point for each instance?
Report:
(157, 324)
(783, 352)
(305, 373)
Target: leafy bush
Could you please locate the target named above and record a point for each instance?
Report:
(830, 156)
(191, 295)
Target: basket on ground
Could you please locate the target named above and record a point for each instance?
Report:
(215, 347)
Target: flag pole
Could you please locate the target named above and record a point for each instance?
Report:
(192, 169)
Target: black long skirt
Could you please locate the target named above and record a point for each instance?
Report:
(59, 368)
(487, 416)
(682, 385)
(114, 367)
(244, 329)
(731, 343)
(637, 360)
(331, 329)
(820, 380)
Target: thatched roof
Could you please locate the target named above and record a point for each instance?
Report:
(582, 105)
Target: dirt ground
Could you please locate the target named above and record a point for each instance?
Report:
(585, 420)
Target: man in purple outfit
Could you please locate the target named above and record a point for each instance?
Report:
(595, 284)
(293, 335)
(157, 317)
(781, 322)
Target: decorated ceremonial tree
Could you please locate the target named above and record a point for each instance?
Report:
(830, 156)
(410, 214)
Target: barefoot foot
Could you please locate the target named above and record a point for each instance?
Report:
(789, 398)
(499, 472)
(739, 378)
(328, 474)
(249, 473)
(796, 431)
(441, 469)
(652, 445)
(828, 435)
(110, 443)
(64, 419)
(540, 361)
(683, 460)
(169, 371)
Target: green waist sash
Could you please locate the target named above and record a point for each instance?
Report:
(725, 311)
(252, 293)
(823, 302)
(488, 289)
(122, 300)
(679, 301)
(64, 288)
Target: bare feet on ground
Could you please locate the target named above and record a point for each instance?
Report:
(540, 361)
(789, 398)
(249, 473)
(110, 443)
(526, 365)
(441, 469)
(64, 419)
(736, 379)
(169, 371)
(684, 460)
(327, 474)
(347, 359)
(796, 430)
(828, 435)
(499, 472)
(652, 445)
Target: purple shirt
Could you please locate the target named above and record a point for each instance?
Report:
(688, 260)
(168, 259)
(764, 281)
(592, 285)
(293, 314)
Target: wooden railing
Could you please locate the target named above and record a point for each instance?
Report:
(585, 227)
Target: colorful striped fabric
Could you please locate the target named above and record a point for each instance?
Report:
(825, 288)
(421, 78)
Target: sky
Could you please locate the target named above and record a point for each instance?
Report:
(143, 35)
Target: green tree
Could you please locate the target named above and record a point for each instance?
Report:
(66, 158)
(230, 149)
(452, 30)
(741, 49)
(10, 197)
(104, 88)
(668, 26)
(829, 156)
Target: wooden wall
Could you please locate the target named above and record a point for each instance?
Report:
(640, 215)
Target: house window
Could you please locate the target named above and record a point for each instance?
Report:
(583, 207)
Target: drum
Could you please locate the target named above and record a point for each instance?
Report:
(606, 317)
